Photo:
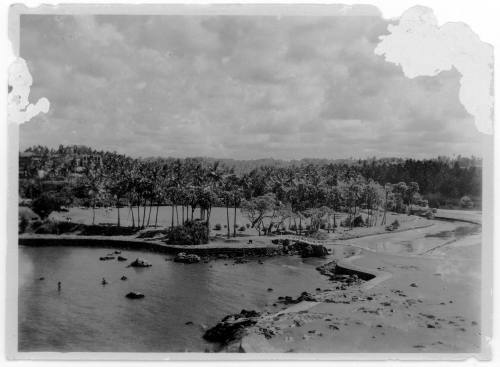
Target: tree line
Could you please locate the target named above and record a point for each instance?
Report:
(272, 197)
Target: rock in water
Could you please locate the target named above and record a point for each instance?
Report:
(123, 277)
(140, 263)
(134, 295)
(121, 258)
(182, 257)
(107, 257)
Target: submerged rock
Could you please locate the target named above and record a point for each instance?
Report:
(140, 263)
(134, 295)
(182, 257)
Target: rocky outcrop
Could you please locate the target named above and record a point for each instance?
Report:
(140, 263)
(308, 250)
(182, 257)
(304, 296)
(231, 327)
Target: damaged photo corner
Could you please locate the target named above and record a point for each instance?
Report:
(248, 182)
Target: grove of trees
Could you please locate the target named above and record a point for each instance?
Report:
(272, 197)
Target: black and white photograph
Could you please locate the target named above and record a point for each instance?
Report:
(221, 180)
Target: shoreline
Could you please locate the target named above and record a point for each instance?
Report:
(254, 341)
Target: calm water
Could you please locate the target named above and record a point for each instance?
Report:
(87, 316)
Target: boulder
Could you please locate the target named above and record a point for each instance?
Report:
(140, 263)
(134, 295)
(182, 257)
(121, 258)
(231, 327)
(107, 257)
(307, 250)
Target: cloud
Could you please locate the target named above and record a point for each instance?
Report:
(228, 86)
(424, 49)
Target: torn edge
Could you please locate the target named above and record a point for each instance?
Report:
(423, 48)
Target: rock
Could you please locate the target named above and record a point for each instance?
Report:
(231, 327)
(123, 277)
(140, 263)
(413, 285)
(134, 295)
(269, 289)
(307, 250)
(117, 252)
(107, 257)
(182, 257)
(41, 278)
(121, 258)
(188, 323)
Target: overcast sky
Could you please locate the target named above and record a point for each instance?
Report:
(235, 87)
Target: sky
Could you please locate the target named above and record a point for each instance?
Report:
(242, 87)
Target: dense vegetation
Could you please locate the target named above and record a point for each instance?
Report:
(269, 192)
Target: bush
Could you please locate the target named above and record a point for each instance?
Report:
(191, 233)
(242, 229)
(217, 227)
(466, 202)
(23, 224)
(45, 204)
(358, 221)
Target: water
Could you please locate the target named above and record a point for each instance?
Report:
(418, 241)
(87, 316)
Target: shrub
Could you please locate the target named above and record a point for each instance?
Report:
(217, 227)
(45, 204)
(248, 225)
(358, 221)
(191, 233)
(395, 224)
(23, 224)
(242, 229)
(466, 202)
